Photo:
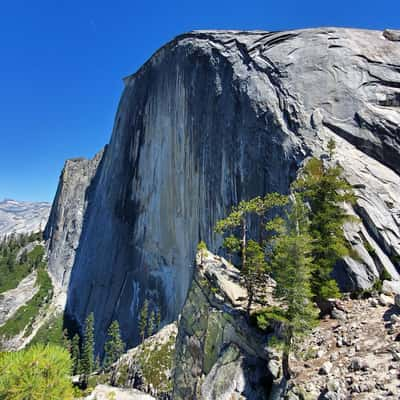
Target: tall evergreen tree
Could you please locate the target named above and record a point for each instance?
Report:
(158, 319)
(75, 354)
(254, 270)
(143, 320)
(114, 347)
(150, 326)
(292, 267)
(87, 359)
(325, 190)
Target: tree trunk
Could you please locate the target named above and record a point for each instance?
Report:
(285, 365)
(287, 373)
(249, 301)
(244, 242)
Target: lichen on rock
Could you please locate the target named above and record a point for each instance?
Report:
(219, 355)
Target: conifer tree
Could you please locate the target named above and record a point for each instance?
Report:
(75, 354)
(87, 360)
(158, 319)
(150, 327)
(114, 347)
(325, 190)
(237, 223)
(201, 248)
(97, 363)
(37, 372)
(143, 320)
(292, 267)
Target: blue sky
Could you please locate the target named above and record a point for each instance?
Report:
(62, 63)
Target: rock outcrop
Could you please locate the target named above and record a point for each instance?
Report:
(64, 227)
(147, 367)
(218, 354)
(212, 118)
(12, 300)
(22, 216)
(105, 392)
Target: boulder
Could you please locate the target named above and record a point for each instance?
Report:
(397, 300)
(391, 287)
(325, 368)
(105, 392)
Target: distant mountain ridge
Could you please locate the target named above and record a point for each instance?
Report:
(22, 216)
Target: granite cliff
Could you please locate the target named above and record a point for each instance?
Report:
(214, 117)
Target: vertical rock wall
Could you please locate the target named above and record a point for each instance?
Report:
(212, 118)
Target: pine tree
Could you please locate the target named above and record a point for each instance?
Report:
(97, 363)
(75, 354)
(201, 249)
(254, 270)
(150, 325)
(87, 360)
(237, 225)
(114, 347)
(37, 372)
(143, 320)
(325, 190)
(292, 267)
(331, 148)
(158, 319)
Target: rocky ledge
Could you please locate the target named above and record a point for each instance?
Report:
(218, 354)
(355, 355)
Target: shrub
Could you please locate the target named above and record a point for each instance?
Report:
(40, 372)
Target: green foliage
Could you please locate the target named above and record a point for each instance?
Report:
(51, 332)
(331, 148)
(325, 190)
(143, 319)
(201, 246)
(87, 359)
(329, 290)
(369, 248)
(156, 363)
(25, 316)
(258, 205)
(254, 270)
(75, 354)
(13, 271)
(114, 347)
(292, 267)
(268, 315)
(232, 244)
(150, 324)
(158, 319)
(236, 226)
(40, 372)
(385, 276)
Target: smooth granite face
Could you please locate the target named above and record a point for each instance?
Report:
(219, 116)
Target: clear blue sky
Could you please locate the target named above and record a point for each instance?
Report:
(62, 62)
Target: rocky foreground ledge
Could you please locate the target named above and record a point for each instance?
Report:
(354, 353)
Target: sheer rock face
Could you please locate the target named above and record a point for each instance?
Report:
(63, 230)
(215, 117)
